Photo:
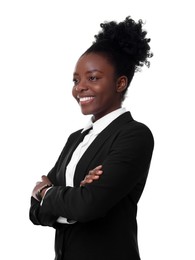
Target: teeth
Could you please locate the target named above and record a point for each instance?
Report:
(85, 98)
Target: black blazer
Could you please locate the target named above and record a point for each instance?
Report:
(106, 209)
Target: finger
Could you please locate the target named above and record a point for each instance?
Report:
(86, 181)
(91, 177)
(95, 171)
(45, 179)
(99, 172)
(82, 183)
(98, 167)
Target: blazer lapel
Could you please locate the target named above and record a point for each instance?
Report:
(61, 172)
(88, 156)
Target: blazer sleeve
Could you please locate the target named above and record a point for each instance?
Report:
(35, 215)
(125, 166)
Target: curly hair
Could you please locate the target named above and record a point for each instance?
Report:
(124, 44)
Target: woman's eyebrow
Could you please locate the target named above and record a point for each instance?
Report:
(88, 72)
(94, 70)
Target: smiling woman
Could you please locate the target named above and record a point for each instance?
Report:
(96, 89)
(90, 196)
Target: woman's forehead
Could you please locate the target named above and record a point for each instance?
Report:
(93, 61)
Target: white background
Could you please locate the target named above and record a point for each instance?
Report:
(40, 42)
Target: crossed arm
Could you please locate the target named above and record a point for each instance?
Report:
(128, 159)
(42, 186)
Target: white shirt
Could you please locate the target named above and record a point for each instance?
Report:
(98, 127)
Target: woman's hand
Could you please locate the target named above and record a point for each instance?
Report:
(40, 187)
(92, 175)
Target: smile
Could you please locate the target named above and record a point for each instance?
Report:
(85, 100)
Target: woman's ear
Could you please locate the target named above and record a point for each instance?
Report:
(122, 82)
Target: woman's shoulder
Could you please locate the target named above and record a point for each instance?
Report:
(135, 130)
(140, 126)
(126, 123)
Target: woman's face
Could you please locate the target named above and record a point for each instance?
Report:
(96, 88)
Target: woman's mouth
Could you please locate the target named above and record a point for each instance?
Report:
(85, 100)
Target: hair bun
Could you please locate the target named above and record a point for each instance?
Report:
(127, 37)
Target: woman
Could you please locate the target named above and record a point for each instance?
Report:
(90, 196)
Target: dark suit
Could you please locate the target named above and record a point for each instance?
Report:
(105, 210)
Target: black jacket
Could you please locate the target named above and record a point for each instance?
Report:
(105, 210)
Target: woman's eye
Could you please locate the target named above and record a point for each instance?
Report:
(75, 81)
(93, 78)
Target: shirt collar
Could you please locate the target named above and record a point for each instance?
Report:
(103, 122)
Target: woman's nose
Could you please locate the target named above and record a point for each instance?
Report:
(81, 86)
